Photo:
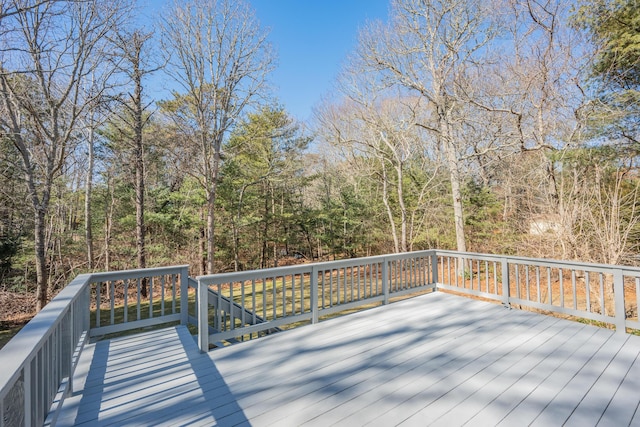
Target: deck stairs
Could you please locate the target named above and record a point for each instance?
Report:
(224, 303)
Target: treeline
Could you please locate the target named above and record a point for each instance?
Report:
(505, 127)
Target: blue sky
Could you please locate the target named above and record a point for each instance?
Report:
(312, 39)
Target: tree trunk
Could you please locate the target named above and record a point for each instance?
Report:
(108, 225)
(210, 230)
(88, 232)
(211, 205)
(202, 247)
(454, 176)
(42, 274)
(235, 223)
(265, 230)
(140, 231)
(139, 162)
(385, 200)
(403, 209)
(275, 226)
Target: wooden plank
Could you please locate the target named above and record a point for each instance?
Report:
(295, 351)
(528, 408)
(436, 359)
(369, 368)
(491, 407)
(417, 395)
(606, 390)
(625, 402)
(387, 379)
(352, 392)
(148, 401)
(326, 335)
(569, 395)
(494, 383)
(503, 366)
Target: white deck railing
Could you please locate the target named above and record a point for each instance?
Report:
(282, 296)
(289, 295)
(39, 362)
(609, 294)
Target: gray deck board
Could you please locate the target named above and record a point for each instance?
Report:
(438, 359)
(624, 404)
(504, 378)
(503, 397)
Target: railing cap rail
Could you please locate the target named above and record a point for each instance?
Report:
(238, 276)
(555, 262)
(21, 348)
(135, 273)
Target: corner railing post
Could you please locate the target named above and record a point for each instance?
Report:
(434, 269)
(203, 317)
(184, 295)
(618, 299)
(385, 281)
(314, 294)
(505, 283)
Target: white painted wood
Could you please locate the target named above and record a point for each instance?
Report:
(451, 361)
(497, 380)
(600, 396)
(527, 409)
(565, 401)
(396, 364)
(432, 389)
(624, 403)
(44, 342)
(500, 397)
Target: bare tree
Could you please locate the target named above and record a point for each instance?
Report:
(425, 50)
(220, 56)
(541, 91)
(9, 8)
(132, 60)
(46, 58)
(91, 124)
(382, 131)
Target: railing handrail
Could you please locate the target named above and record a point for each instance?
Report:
(135, 273)
(586, 266)
(238, 276)
(378, 267)
(24, 347)
(609, 301)
(434, 279)
(17, 353)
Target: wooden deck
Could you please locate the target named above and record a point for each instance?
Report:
(438, 359)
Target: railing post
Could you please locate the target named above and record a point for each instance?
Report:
(184, 295)
(385, 281)
(314, 294)
(86, 310)
(434, 269)
(618, 299)
(28, 404)
(505, 283)
(73, 341)
(203, 317)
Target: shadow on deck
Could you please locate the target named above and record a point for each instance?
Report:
(154, 378)
(437, 359)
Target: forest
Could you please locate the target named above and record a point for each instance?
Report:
(510, 126)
